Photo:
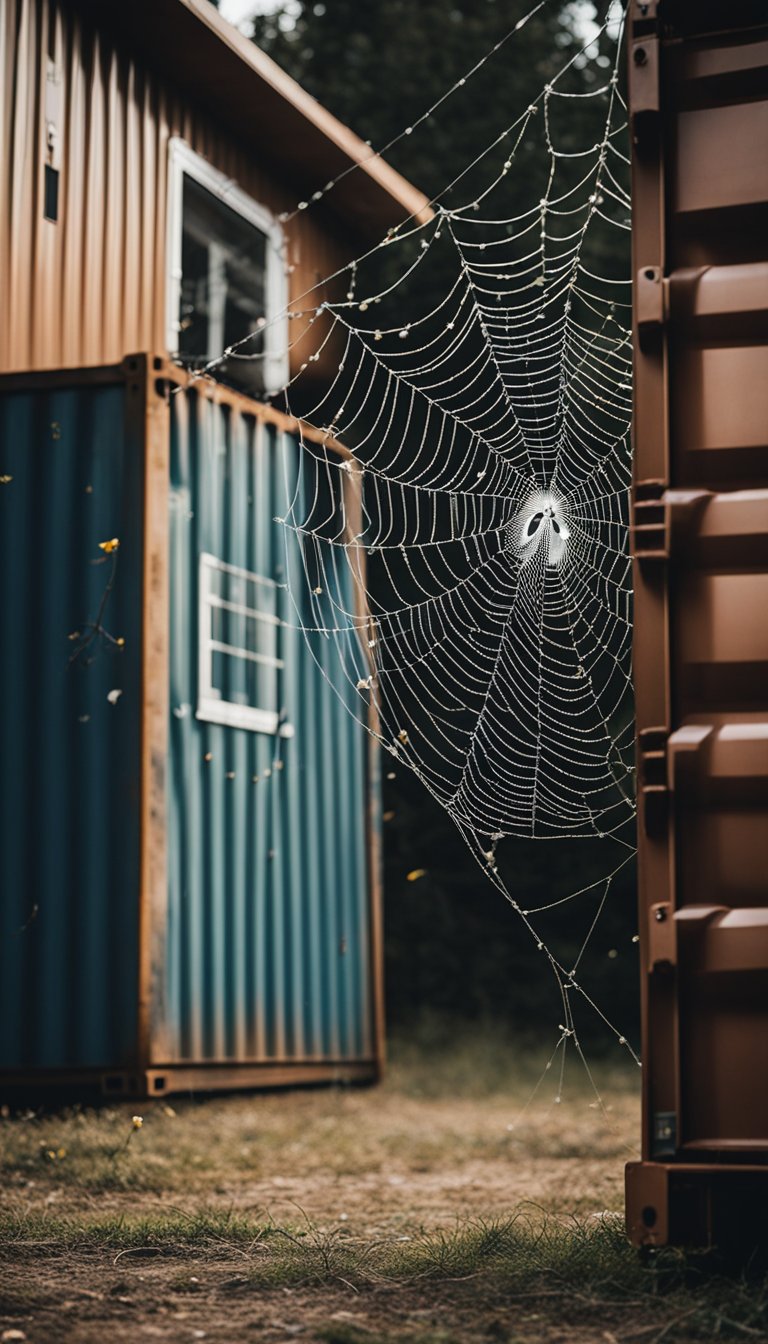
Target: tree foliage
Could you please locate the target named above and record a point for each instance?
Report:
(452, 942)
(379, 65)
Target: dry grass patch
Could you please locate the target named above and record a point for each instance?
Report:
(416, 1213)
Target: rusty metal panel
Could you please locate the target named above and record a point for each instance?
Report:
(700, 260)
(89, 287)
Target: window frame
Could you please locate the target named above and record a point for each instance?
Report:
(213, 708)
(183, 160)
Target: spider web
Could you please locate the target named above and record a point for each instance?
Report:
(463, 519)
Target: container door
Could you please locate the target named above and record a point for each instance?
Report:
(71, 536)
(700, 236)
(269, 936)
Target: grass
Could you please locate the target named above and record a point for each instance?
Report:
(581, 1267)
(426, 1112)
(416, 1213)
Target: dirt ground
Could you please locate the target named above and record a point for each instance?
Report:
(408, 1212)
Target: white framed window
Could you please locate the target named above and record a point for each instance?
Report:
(239, 662)
(226, 277)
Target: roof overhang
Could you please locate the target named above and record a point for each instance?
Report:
(189, 42)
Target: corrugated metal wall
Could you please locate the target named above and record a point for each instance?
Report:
(269, 932)
(69, 782)
(699, 117)
(90, 288)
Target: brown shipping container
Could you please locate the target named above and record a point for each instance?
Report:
(92, 95)
(699, 115)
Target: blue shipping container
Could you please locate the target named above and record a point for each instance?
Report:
(269, 967)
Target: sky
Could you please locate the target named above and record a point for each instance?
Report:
(239, 11)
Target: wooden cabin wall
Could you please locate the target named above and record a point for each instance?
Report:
(91, 287)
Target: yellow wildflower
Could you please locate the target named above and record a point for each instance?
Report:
(109, 546)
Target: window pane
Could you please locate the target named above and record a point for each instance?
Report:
(240, 628)
(223, 261)
(241, 682)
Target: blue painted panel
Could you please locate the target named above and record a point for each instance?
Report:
(269, 925)
(69, 759)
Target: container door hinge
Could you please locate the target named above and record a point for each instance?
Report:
(662, 937)
(644, 92)
(651, 300)
(644, 17)
(663, 520)
(652, 770)
(664, 1137)
(648, 533)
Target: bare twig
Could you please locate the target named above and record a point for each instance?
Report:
(96, 627)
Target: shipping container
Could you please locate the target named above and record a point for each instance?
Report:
(699, 117)
(188, 814)
(95, 97)
(189, 872)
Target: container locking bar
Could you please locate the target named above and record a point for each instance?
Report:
(699, 525)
